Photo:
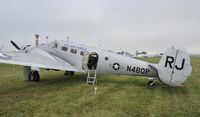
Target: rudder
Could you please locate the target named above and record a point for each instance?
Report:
(174, 66)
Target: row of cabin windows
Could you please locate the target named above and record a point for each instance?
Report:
(64, 48)
(74, 51)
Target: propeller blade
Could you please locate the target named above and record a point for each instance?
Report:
(15, 45)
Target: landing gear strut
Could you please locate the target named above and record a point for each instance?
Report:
(69, 73)
(34, 76)
(151, 83)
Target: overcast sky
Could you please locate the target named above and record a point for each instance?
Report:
(150, 25)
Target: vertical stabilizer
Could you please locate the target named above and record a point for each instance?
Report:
(174, 66)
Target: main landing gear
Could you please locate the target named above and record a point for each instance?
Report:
(69, 73)
(31, 75)
(34, 76)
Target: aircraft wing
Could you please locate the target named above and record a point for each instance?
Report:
(37, 58)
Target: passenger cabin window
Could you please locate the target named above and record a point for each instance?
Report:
(55, 45)
(64, 49)
(82, 53)
(74, 51)
(106, 58)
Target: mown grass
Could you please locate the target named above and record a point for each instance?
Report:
(117, 96)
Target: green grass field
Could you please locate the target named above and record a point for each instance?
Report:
(117, 96)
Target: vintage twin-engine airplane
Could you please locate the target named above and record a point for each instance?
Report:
(173, 68)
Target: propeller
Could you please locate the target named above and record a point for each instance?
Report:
(15, 45)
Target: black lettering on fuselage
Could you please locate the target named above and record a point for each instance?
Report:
(137, 70)
(129, 68)
(147, 71)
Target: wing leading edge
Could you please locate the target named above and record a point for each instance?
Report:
(36, 58)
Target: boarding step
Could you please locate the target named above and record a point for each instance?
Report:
(92, 77)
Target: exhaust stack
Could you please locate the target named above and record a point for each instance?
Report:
(37, 40)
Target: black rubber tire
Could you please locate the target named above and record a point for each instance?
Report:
(69, 73)
(66, 73)
(34, 76)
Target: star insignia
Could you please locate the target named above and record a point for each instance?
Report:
(116, 66)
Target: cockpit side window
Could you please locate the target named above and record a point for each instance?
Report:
(55, 45)
(74, 51)
(64, 48)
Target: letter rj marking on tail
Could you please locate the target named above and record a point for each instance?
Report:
(174, 66)
(182, 65)
(170, 61)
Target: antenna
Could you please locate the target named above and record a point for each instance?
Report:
(67, 38)
(47, 37)
(37, 40)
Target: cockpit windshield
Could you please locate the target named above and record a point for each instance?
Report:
(53, 44)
